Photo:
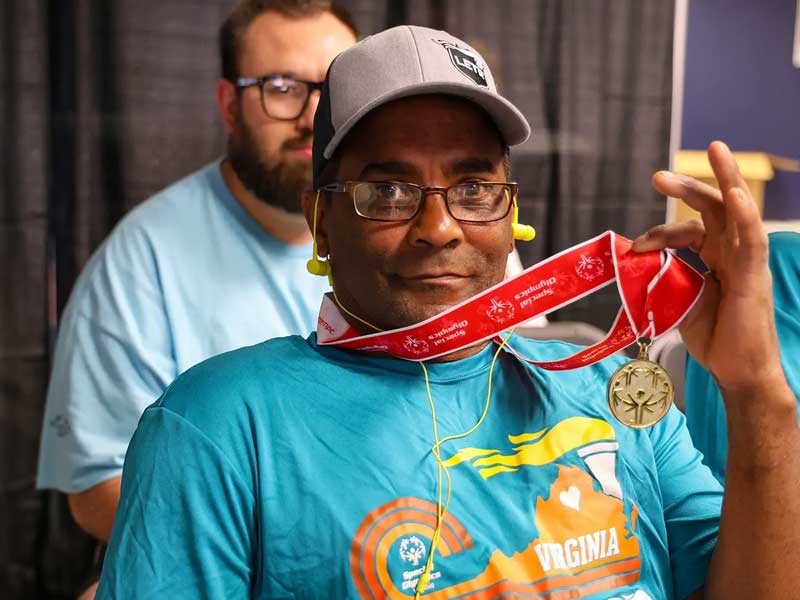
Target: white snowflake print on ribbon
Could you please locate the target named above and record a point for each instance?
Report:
(500, 311)
(589, 267)
(415, 346)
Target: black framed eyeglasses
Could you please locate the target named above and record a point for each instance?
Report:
(471, 202)
(282, 97)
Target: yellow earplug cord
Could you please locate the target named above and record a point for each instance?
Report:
(441, 468)
(441, 508)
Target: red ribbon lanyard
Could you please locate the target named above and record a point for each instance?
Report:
(657, 290)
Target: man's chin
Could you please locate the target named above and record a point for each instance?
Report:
(408, 304)
(440, 294)
(416, 311)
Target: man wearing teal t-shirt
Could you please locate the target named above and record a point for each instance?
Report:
(297, 470)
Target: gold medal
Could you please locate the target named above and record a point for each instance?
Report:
(640, 392)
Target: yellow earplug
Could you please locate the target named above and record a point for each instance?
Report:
(315, 266)
(319, 267)
(524, 233)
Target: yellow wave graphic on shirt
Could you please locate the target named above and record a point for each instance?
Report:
(536, 449)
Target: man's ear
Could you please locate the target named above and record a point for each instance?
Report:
(312, 205)
(225, 94)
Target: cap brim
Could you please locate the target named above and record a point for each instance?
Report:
(509, 121)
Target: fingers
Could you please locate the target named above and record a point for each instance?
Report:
(744, 212)
(701, 196)
(725, 168)
(747, 236)
(688, 234)
(728, 213)
(751, 242)
(698, 195)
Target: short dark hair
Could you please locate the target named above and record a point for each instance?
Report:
(245, 12)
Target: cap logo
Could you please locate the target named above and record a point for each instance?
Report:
(466, 61)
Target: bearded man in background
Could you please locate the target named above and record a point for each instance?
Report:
(212, 263)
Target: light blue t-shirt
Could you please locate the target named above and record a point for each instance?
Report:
(186, 275)
(289, 470)
(705, 410)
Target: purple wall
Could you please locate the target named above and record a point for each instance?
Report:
(741, 86)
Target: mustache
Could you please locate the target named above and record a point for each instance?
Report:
(304, 139)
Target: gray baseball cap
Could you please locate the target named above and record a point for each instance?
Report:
(400, 62)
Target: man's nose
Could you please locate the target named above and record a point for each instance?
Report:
(434, 226)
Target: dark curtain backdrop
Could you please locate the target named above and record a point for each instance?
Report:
(24, 142)
(105, 102)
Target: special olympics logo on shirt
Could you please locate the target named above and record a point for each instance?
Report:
(415, 346)
(500, 311)
(590, 267)
(412, 550)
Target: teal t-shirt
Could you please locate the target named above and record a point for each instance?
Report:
(705, 410)
(290, 470)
